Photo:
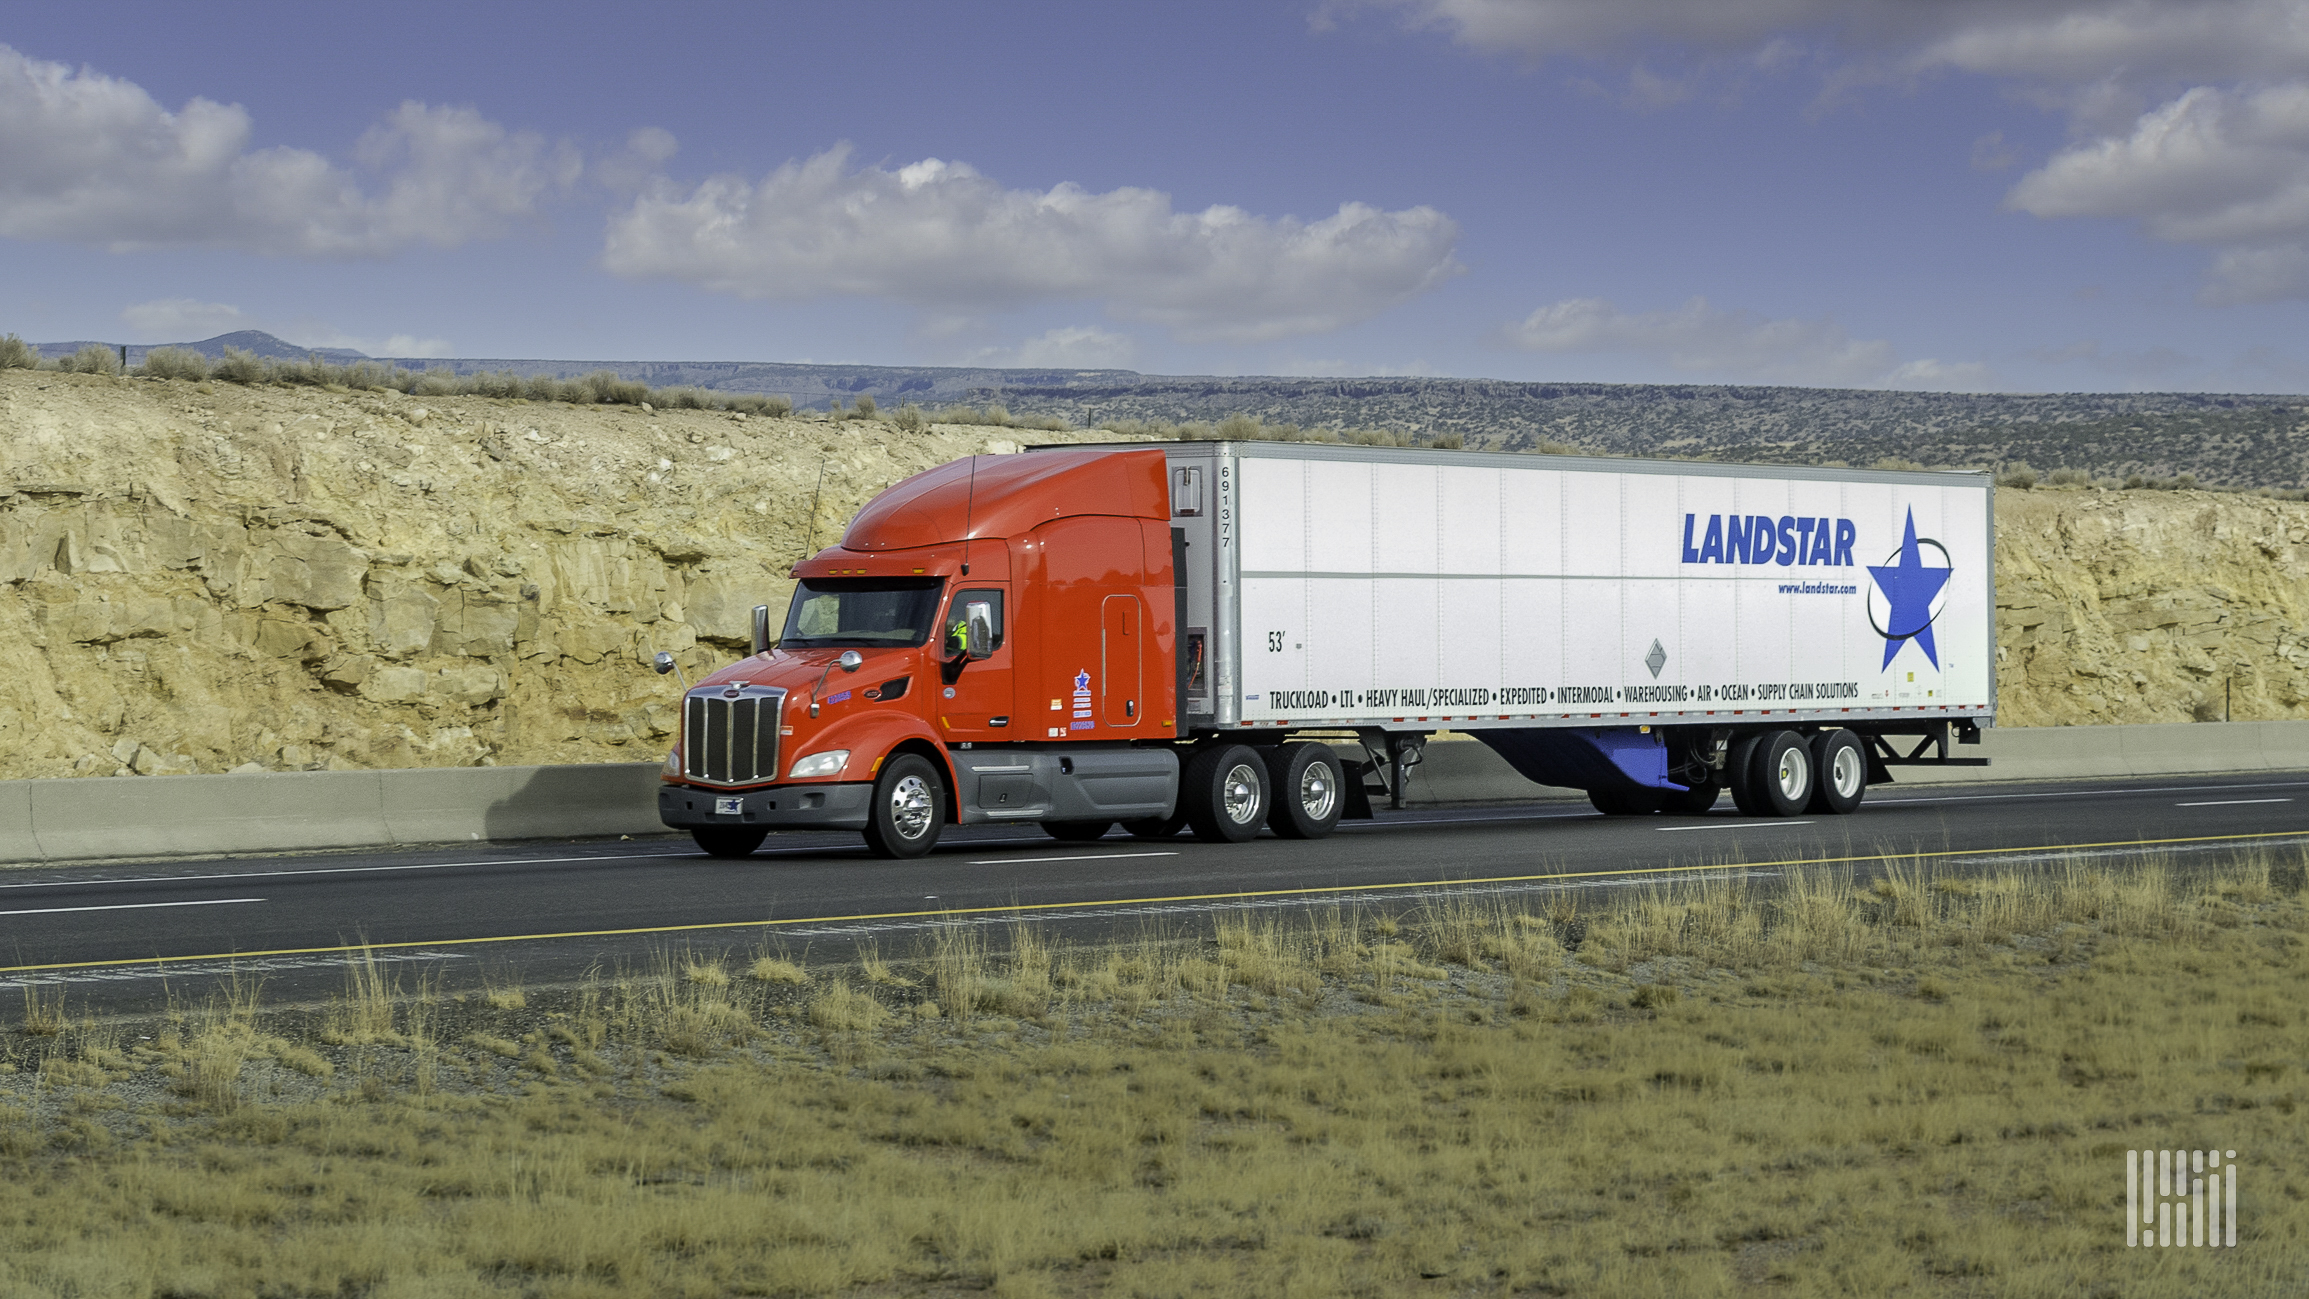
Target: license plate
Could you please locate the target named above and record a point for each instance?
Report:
(729, 807)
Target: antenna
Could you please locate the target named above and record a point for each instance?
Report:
(810, 545)
(969, 500)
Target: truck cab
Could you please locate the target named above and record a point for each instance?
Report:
(993, 640)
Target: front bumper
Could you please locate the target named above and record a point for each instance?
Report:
(816, 806)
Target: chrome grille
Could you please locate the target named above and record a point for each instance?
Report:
(731, 737)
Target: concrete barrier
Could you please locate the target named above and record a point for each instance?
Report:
(159, 816)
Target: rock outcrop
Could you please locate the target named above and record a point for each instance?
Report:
(196, 578)
(208, 577)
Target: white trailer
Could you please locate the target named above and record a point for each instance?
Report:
(1650, 631)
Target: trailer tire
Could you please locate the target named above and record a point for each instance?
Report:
(1223, 792)
(1783, 774)
(1624, 802)
(1156, 827)
(1077, 831)
(728, 840)
(1840, 773)
(907, 810)
(1696, 801)
(1310, 790)
(1740, 774)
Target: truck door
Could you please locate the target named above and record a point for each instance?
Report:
(1122, 636)
(975, 702)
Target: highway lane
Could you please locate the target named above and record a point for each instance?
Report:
(115, 932)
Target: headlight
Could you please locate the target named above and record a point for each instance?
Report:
(828, 763)
(672, 762)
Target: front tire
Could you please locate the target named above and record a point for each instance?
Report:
(908, 808)
(1076, 831)
(728, 841)
(1841, 768)
(1783, 773)
(1224, 793)
(1310, 792)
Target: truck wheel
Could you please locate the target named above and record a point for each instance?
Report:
(1156, 827)
(1077, 831)
(1310, 791)
(1223, 791)
(908, 808)
(1740, 774)
(1783, 773)
(728, 841)
(1692, 802)
(1842, 767)
(1624, 802)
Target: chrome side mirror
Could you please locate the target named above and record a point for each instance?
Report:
(978, 636)
(851, 660)
(761, 628)
(663, 663)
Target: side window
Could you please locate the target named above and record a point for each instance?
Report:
(956, 610)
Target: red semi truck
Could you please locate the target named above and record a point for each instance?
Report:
(1169, 636)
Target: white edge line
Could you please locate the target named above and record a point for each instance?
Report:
(1032, 861)
(1737, 825)
(2233, 802)
(132, 906)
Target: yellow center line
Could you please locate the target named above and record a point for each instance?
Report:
(1012, 908)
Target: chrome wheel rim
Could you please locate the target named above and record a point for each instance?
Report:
(1795, 774)
(1240, 796)
(1846, 772)
(910, 807)
(1318, 791)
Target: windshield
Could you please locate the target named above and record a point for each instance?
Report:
(861, 611)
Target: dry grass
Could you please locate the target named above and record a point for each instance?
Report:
(1919, 1085)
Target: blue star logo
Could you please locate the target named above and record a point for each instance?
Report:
(1909, 588)
(1082, 682)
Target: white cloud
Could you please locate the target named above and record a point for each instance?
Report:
(183, 320)
(2225, 170)
(941, 236)
(2080, 49)
(1738, 346)
(91, 159)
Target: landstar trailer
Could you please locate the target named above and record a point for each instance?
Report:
(1172, 636)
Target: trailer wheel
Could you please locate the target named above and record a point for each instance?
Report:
(1842, 767)
(1077, 831)
(1310, 791)
(728, 841)
(1223, 792)
(908, 808)
(1740, 773)
(1156, 827)
(1783, 774)
(1624, 802)
(1695, 801)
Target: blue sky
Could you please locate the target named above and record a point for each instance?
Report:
(2018, 194)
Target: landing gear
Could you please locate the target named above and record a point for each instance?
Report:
(1691, 802)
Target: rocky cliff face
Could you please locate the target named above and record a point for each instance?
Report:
(197, 578)
(2150, 607)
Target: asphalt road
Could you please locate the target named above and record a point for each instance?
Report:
(130, 936)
